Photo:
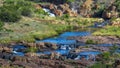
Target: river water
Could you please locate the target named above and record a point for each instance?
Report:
(64, 44)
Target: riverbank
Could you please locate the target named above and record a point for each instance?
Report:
(30, 29)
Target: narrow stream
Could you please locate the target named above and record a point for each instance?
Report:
(65, 45)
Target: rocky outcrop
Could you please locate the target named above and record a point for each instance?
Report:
(116, 63)
(37, 6)
(54, 55)
(61, 9)
(86, 8)
(5, 49)
(111, 12)
(58, 12)
(115, 22)
(42, 45)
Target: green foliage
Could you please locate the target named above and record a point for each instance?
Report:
(113, 19)
(40, 12)
(106, 55)
(32, 49)
(98, 65)
(117, 3)
(26, 11)
(18, 3)
(113, 49)
(89, 41)
(70, 0)
(7, 15)
(12, 10)
(65, 16)
(110, 30)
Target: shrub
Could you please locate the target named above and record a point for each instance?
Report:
(65, 16)
(32, 49)
(26, 11)
(98, 65)
(117, 3)
(70, 0)
(40, 11)
(9, 16)
(89, 41)
(106, 55)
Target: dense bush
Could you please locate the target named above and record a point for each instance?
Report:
(12, 10)
(9, 15)
(65, 16)
(70, 0)
(117, 3)
(26, 12)
(106, 55)
(40, 11)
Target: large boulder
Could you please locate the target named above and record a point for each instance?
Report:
(116, 23)
(19, 58)
(40, 45)
(116, 64)
(54, 55)
(37, 6)
(31, 44)
(7, 49)
(31, 54)
(110, 12)
(51, 45)
(58, 12)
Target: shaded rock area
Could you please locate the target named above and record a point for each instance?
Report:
(42, 45)
(36, 62)
(116, 64)
(116, 23)
(111, 12)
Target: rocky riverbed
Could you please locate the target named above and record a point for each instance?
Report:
(64, 51)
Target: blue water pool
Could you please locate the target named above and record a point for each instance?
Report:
(87, 55)
(66, 47)
(62, 39)
(102, 24)
(45, 52)
(16, 49)
(59, 41)
(18, 53)
(62, 52)
(69, 34)
(105, 45)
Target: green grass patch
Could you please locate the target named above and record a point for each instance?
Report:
(109, 30)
